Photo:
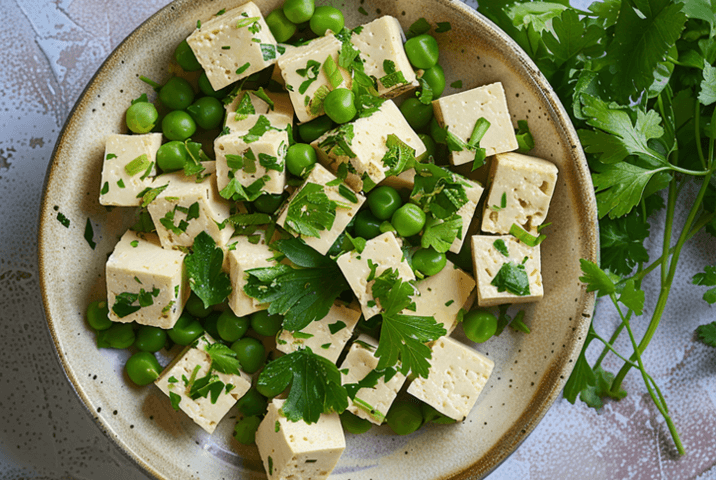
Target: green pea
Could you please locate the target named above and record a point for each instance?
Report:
(366, 225)
(438, 133)
(479, 325)
(281, 27)
(299, 11)
(186, 330)
(245, 430)
(206, 88)
(207, 112)
(339, 105)
(354, 424)
(195, 306)
(404, 417)
(231, 327)
(185, 57)
(429, 146)
(172, 156)
(119, 335)
(250, 353)
(327, 18)
(429, 262)
(98, 315)
(435, 76)
(416, 112)
(408, 220)
(300, 158)
(252, 403)
(141, 117)
(268, 202)
(384, 201)
(265, 324)
(178, 125)
(150, 339)
(143, 368)
(176, 94)
(422, 51)
(313, 130)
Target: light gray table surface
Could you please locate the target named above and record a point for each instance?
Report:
(50, 50)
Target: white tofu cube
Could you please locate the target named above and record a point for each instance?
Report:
(128, 169)
(460, 112)
(383, 252)
(251, 163)
(381, 41)
(526, 184)
(187, 207)
(247, 254)
(325, 337)
(467, 212)
(251, 46)
(305, 78)
(443, 295)
(488, 260)
(297, 450)
(348, 204)
(457, 376)
(140, 271)
(243, 112)
(194, 362)
(367, 139)
(371, 403)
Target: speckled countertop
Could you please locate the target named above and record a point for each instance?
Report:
(50, 51)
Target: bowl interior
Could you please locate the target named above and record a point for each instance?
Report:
(530, 369)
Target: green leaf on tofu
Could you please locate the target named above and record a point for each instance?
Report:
(438, 190)
(707, 278)
(139, 164)
(234, 190)
(441, 234)
(124, 303)
(707, 334)
(347, 55)
(338, 141)
(269, 162)
(392, 76)
(315, 104)
(403, 338)
(206, 278)
(243, 68)
(223, 359)
(512, 278)
(105, 189)
(310, 212)
(315, 385)
(208, 386)
(310, 73)
(196, 155)
(331, 70)
(368, 104)
(261, 93)
(301, 294)
(501, 247)
(244, 108)
(268, 51)
(399, 157)
(525, 237)
(261, 126)
(244, 219)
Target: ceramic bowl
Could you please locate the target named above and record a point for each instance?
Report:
(530, 369)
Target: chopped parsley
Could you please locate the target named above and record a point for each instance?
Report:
(362, 11)
(443, 27)
(139, 164)
(456, 84)
(105, 189)
(526, 237)
(310, 73)
(331, 70)
(268, 51)
(311, 211)
(399, 157)
(438, 191)
(63, 220)
(206, 278)
(127, 303)
(440, 234)
(243, 68)
(336, 327)
(89, 234)
(503, 203)
(245, 22)
(512, 278)
(392, 77)
(175, 399)
(418, 27)
(500, 246)
(261, 126)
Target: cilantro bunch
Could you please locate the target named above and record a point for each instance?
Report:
(638, 81)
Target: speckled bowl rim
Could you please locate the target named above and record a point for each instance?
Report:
(554, 379)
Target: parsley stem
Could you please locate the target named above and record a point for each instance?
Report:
(658, 398)
(694, 173)
(697, 133)
(608, 346)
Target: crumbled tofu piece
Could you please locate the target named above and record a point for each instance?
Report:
(457, 376)
(367, 139)
(251, 45)
(467, 212)
(128, 168)
(460, 112)
(262, 161)
(194, 362)
(383, 252)
(187, 207)
(245, 256)
(325, 337)
(371, 403)
(527, 184)
(443, 295)
(139, 269)
(488, 260)
(348, 205)
(243, 112)
(297, 450)
(381, 41)
(302, 64)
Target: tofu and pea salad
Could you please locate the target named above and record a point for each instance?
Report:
(315, 269)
